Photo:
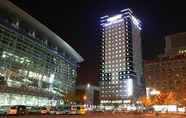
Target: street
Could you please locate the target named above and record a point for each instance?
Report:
(103, 115)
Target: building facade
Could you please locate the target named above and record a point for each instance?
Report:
(175, 44)
(121, 68)
(37, 67)
(167, 74)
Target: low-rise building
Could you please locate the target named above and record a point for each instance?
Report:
(167, 74)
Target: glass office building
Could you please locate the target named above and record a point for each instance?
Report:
(37, 67)
(121, 69)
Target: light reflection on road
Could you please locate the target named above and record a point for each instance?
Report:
(104, 115)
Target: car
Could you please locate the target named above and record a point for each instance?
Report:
(35, 110)
(17, 110)
(3, 110)
(98, 109)
(59, 110)
(149, 109)
(80, 110)
(75, 109)
(44, 110)
(52, 110)
(72, 110)
(62, 110)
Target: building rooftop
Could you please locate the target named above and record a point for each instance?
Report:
(164, 59)
(181, 34)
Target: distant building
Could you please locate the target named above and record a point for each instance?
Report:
(167, 73)
(37, 67)
(89, 94)
(175, 44)
(121, 69)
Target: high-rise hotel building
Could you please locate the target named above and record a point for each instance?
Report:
(121, 69)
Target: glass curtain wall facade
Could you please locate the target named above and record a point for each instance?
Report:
(121, 69)
(33, 70)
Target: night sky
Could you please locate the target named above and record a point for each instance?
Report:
(77, 22)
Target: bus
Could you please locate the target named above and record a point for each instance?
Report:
(72, 109)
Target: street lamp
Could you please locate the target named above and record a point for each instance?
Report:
(88, 85)
(84, 97)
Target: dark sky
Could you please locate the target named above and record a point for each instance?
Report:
(77, 22)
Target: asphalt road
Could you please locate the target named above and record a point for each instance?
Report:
(103, 115)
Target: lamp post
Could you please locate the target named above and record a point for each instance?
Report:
(84, 99)
(88, 85)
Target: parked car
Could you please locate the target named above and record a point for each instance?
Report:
(98, 109)
(44, 110)
(51, 110)
(35, 110)
(60, 110)
(80, 109)
(149, 109)
(75, 109)
(3, 110)
(17, 110)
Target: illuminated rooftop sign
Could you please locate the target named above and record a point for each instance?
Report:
(104, 17)
(106, 20)
(127, 10)
(110, 23)
(114, 18)
(136, 22)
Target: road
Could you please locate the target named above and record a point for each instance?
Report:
(103, 115)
